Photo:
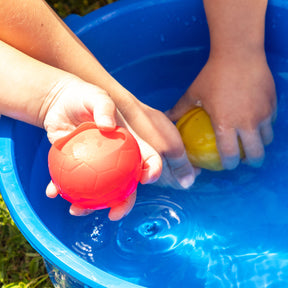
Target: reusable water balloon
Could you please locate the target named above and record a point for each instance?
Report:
(95, 169)
(199, 139)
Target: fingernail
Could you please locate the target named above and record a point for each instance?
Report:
(106, 121)
(51, 190)
(152, 170)
(75, 211)
(230, 162)
(256, 162)
(187, 181)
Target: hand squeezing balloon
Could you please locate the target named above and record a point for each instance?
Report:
(94, 169)
(200, 141)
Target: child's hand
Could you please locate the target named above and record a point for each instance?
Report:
(239, 95)
(154, 127)
(151, 125)
(74, 101)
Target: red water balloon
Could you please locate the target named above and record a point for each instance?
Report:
(95, 169)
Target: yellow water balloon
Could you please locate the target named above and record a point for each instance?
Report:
(199, 139)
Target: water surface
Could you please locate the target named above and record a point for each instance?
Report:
(229, 230)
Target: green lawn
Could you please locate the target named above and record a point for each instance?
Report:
(80, 7)
(20, 265)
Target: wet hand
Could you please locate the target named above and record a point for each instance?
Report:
(155, 128)
(73, 102)
(239, 95)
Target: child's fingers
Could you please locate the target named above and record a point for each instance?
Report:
(228, 147)
(104, 111)
(51, 190)
(97, 102)
(115, 214)
(182, 170)
(253, 147)
(122, 210)
(152, 163)
(77, 211)
(266, 131)
(152, 167)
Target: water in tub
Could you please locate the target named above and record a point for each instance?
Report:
(228, 230)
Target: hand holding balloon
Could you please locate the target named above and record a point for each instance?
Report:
(199, 139)
(94, 169)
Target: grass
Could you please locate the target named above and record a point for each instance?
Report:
(80, 7)
(20, 265)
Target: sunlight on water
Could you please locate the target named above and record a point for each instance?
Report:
(229, 230)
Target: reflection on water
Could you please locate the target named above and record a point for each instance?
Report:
(229, 230)
(227, 240)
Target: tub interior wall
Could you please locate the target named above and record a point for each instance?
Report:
(163, 62)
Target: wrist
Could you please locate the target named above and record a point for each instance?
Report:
(237, 53)
(125, 101)
(236, 26)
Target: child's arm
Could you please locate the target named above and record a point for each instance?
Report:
(235, 86)
(27, 86)
(32, 27)
(58, 101)
(236, 26)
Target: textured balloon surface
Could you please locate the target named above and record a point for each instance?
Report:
(95, 169)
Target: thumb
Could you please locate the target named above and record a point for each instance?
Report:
(182, 170)
(122, 210)
(103, 109)
(184, 104)
(104, 114)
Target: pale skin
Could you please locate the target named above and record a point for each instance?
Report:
(33, 28)
(235, 86)
(58, 101)
(40, 34)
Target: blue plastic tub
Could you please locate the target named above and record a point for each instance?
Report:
(229, 230)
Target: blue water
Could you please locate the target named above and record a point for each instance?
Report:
(229, 230)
